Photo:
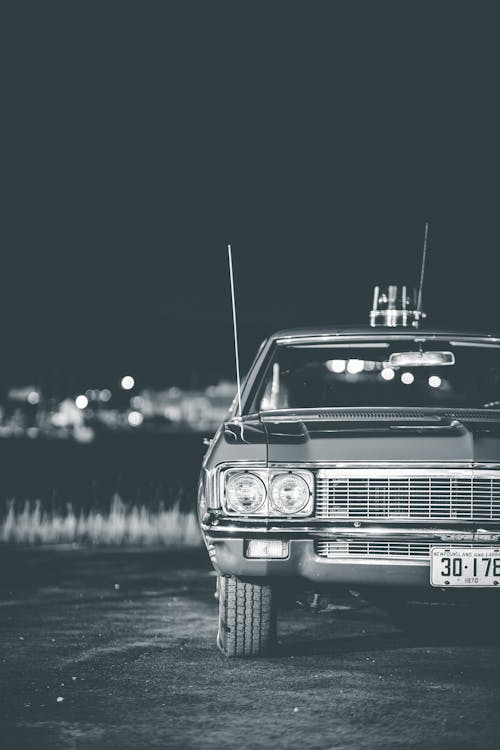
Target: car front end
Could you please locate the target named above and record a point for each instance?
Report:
(368, 526)
(358, 465)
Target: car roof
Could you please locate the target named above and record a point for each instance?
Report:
(360, 330)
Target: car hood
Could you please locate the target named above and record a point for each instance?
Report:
(386, 435)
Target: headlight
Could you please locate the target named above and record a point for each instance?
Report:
(289, 493)
(245, 493)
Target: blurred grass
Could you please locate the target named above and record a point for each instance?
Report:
(123, 524)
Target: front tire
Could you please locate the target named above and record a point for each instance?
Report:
(247, 618)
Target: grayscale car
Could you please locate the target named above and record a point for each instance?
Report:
(364, 459)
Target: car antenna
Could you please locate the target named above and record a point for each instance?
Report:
(235, 329)
(418, 311)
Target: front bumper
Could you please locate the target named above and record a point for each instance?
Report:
(226, 537)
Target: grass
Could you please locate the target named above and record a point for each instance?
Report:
(122, 524)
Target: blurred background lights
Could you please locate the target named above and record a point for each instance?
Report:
(33, 398)
(135, 418)
(407, 378)
(128, 382)
(336, 365)
(387, 373)
(355, 365)
(82, 401)
(435, 381)
(105, 395)
(137, 402)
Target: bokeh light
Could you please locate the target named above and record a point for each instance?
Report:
(355, 365)
(135, 418)
(137, 402)
(387, 373)
(128, 382)
(81, 401)
(336, 365)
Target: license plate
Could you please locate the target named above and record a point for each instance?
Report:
(472, 566)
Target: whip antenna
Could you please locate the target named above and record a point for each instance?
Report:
(422, 271)
(235, 329)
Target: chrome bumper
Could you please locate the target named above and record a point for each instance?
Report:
(226, 537)
(217, 526)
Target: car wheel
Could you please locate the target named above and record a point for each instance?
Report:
(247, 618)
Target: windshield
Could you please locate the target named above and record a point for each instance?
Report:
(344, 375)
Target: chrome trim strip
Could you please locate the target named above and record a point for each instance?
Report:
(236, 464)
(221, 528)
(426, 427)
(407, 472)
(326, 337)
(407, 465)
(421, 422)
(370, 561)
(311, 523)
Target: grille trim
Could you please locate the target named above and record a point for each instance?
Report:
(379, 549)
(418, 494)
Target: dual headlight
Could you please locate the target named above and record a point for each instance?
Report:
(265, 493)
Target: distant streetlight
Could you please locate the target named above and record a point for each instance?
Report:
(434, 381)
(135, 418)
(33, 398)
(354, 366)
(128, 382)
(81, 401)
(336, 365)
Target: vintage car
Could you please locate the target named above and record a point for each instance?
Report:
(363, 459)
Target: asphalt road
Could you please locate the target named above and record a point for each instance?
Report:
(116, 649)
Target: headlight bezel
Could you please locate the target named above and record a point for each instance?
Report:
(267, 477)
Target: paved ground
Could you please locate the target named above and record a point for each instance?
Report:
(116, 650)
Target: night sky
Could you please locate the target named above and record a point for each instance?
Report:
(316, 137)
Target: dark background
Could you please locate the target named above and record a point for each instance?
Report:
(137, 140)
(140, 138)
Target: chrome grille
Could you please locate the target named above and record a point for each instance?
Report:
(420, 494)
(375, 549)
